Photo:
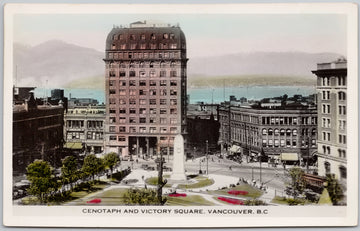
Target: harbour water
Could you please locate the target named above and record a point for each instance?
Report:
(206, 95)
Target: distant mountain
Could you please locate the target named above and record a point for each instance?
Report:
(68, 65)
(56, 61)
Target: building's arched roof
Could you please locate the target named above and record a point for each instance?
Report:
(146, 35)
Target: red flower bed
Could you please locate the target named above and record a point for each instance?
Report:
(237, 192)
(177, 195)
(94, 201)
(231, 200)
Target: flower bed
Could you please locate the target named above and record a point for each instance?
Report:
(177, 195)
(238, 192)
(231, 200)
(94, 201)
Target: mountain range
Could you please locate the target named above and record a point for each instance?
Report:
(59, 64)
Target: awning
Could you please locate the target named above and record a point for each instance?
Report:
(73, 145)
(289, 157)
(235, 149)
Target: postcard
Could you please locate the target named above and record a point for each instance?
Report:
(180, 115)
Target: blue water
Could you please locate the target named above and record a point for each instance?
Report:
(206, 95)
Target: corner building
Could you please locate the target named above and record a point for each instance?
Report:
(145, 83)
(332, 103)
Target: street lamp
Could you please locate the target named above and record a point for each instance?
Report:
(207, 157)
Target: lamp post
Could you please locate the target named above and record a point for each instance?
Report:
(207, 157)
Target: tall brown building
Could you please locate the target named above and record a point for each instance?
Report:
(145, 84)
(332, 103)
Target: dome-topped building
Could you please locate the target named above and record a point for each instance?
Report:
(145, 84)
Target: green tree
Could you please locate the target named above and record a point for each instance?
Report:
(39, 173)
(297, 183)
(136, 196)
(334, 189)
(110, 160)
(69, 169)
(92, 165)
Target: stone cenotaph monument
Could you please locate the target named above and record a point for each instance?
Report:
(178, 173)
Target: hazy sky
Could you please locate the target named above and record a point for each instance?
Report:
(211, 34)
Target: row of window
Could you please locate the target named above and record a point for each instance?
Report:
(141, 111)
(286, 143)
(143, 55)
(94, 135)
(342, 139)
(326, 136)
(144, 129)
(80, 124)
(342, 110)
(143, 74)
(326, 123)
(287, 132)
(306, 120)
(144, 101)
(341, 81)
(326, 109)
(123, 139)
(326, 95)
(143, 64)
(143, 36)
(142, 120)
(143, 83)
(144, 46)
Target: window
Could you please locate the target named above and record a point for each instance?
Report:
(122, 83)
(152, 101)
(163, 111)
(142, 129)
(142, 101)
(122, 92)
(152, 111)
(132, 101)
(132, 129)
(112, 120)
(122, 101)
(132, 83)
(122, 138)
(276, 143)
(122, 120)
(112, 128)
(162, 120)
(132, 120)
(152, 36)
(152, 92)
(342, 81)
(327, 168)
(173, 111)
(142, 111)
(112, 137)
(151, 66)
(173, 102)
(282, 143)
(282, 132)
(112, 91)
(122, 129)
(112, 110)
(173, 121)
(165, 36)
(152, 120)
(132, 92)
(122, 110)
(111, 83)
(276, 132)
(294, 143)
(163, 101)
(152, 46)
(132, 73)
(152, 83)
(288, 144)
(163, 130)
(142, 74)
(142, 92)
(122, 73)
(143, 46)
(172, 36)
(142, 83)
(173, 74)
(173, 92)
(142, 120)
(112, 101)
(132, 111)
(152, 130)
(270, 132)
(342, 110)
(328, 108)
(132, 37)
(270, 143)
(152, 73)
(173, 45)
(264, 143)
(173, 83)
(162, 73)
(264, 131)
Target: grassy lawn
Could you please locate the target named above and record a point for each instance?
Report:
(193, 200)
(109, 197)
(202, 182)
(154, 181)
(284, 201)
(252, 192)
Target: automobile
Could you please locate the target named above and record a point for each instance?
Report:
(166, 168)
(150, 168)
(157, 160)
(144, 166)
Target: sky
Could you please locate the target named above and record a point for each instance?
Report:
(206, 34)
